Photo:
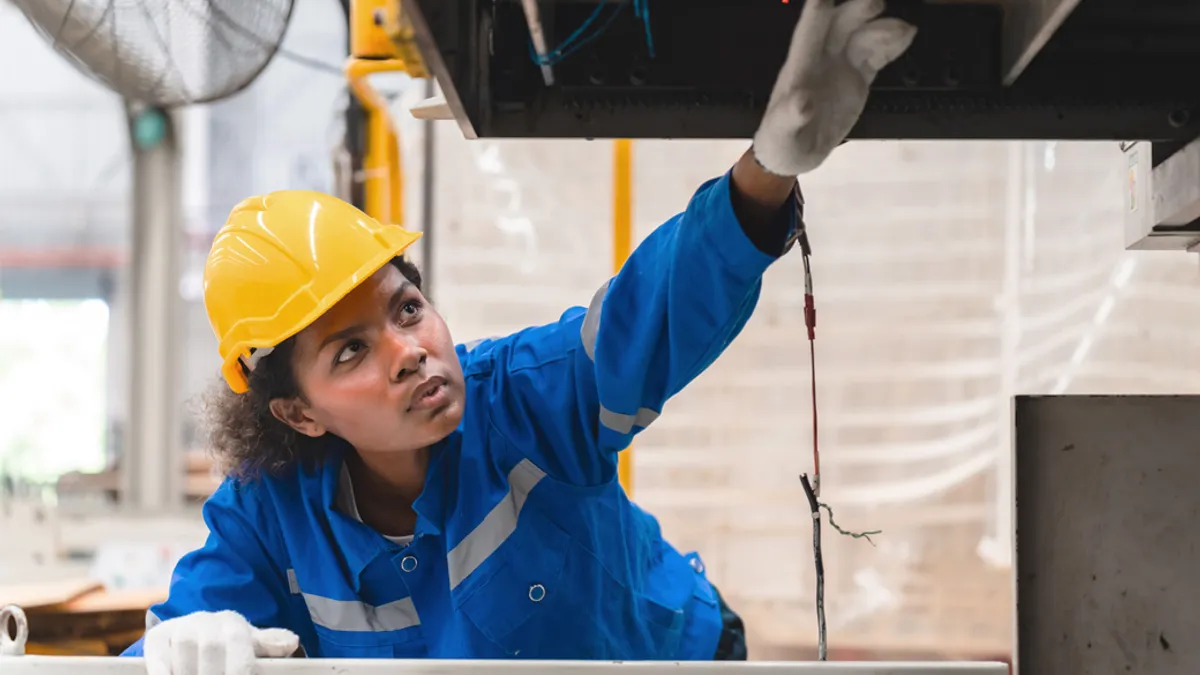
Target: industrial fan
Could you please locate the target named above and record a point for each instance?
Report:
(164, 53)
(159, 55)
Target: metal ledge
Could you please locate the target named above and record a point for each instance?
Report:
(1162, 203)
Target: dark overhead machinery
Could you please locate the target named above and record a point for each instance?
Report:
(1116, 70)
(1007, 69)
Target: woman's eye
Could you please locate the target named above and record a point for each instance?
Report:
(410, 310)
(348, 352)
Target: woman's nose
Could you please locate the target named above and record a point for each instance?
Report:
(407, 354)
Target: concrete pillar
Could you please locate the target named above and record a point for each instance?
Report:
(152, 467)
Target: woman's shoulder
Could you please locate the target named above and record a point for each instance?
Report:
(533, 349)
(263, 509)
(262, 495)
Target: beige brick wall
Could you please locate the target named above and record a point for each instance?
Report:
(949, 276)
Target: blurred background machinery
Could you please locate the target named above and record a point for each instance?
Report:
(953, 275)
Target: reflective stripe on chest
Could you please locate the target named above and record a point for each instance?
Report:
(497, 526)
(356, 616)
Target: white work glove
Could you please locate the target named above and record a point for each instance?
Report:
(213, 643)
(835, 54)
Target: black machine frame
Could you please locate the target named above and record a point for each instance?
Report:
(1115, 70)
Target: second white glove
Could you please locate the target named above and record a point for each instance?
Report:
(213, 643)
(835, 54)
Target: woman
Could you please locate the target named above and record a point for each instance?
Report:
(393, 495)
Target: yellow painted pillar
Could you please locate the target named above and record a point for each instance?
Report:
(373, 51)
(622, 233)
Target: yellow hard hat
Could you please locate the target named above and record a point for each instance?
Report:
(280, 262)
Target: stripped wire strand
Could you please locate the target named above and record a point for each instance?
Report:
(848, 533)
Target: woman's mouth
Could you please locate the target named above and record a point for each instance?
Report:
(430, 394)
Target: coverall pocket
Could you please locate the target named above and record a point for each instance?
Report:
(546, 596)
(367, 645)
(521, 581)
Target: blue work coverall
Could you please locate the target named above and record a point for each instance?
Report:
(525, 544)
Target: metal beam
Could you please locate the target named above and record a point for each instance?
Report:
(1162, 203)
(447, 33)
(1028, 26)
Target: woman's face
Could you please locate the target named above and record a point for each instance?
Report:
(378, 370)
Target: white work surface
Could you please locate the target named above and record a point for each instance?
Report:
(94, 665)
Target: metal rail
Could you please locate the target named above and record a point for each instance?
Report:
(131, 665)
(14, 662)
(99, 665)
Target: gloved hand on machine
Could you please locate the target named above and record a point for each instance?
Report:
(820, 94)
(213, 643)
(836, 52)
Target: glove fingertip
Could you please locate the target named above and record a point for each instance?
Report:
(897, 32)
(879, 43)
(157, 665)
(275, 642)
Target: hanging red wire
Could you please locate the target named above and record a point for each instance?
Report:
(812, 489)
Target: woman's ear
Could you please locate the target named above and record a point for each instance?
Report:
(294, 413)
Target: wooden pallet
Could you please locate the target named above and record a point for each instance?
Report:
(78, 617)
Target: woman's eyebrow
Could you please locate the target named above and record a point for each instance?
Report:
(398, 296)
(393, 305)
(340, 335)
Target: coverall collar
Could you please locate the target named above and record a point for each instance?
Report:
(360, 544)
(357, 543)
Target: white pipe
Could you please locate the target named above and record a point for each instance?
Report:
(534, 19)
(99, 665)
(995, 546)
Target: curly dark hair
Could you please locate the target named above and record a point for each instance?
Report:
(244, 437)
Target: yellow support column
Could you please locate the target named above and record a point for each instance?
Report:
(373, 51)
(622, 234)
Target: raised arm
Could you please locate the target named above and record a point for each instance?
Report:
(572, 394)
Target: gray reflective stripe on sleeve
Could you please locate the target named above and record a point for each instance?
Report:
(475, 343)
(293, 585)
(497, 526)
(623, 424)
(359, 617)
(618, 422)
(151, 620)
(591, 321)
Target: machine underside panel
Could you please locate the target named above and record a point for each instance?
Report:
(1106, 538)
(1088, 69)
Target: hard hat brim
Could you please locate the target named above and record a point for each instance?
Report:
(398, 240)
